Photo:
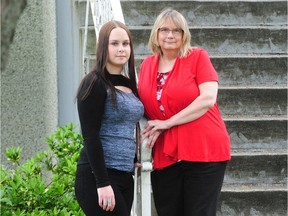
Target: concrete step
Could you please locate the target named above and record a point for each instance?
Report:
(248, 70)
(253, 102)
(257, 136)
(225, 40)
(200, 13)
(270, 71)
(209, 13)
(217, 41)
(256, 169)
(253, 201)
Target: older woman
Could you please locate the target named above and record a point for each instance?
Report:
(178, 87)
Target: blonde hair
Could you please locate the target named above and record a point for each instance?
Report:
(176, 18)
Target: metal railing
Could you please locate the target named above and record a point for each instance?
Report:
(102, 11)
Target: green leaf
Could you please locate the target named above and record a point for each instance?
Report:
(36, 186)
(13, 154)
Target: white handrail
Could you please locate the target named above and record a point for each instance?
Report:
(145, 159)
(117, 11)
(85, 61)
(102, 11)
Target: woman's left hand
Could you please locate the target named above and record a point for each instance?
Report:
(152, 138)
(152, 131)
(137, 165)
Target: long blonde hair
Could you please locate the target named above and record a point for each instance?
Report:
(176, 18)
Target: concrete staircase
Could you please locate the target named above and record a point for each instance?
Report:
(247, 41)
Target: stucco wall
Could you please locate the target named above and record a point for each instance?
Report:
(29, 81)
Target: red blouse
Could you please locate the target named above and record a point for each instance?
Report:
(161, 78)
(204, 139)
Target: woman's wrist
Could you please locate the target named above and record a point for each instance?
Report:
(169, 123)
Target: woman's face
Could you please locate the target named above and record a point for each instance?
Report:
(119, 50)
(170, 37)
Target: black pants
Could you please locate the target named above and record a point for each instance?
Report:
(87, 196)
(188, 188)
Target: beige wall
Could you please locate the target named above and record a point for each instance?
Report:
(29, 81)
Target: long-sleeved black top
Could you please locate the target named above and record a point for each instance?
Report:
(90, 112)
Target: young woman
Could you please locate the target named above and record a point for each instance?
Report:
(178, 86)
(109, 108)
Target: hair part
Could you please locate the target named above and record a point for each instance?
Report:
(177, 18)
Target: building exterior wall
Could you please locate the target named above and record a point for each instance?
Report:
(68, 60)
(29, 103)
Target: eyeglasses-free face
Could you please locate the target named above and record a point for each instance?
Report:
(166, 31)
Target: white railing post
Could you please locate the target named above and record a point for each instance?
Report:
(104, 11)
(85, 60)
(94, 16)
(117, 11)
(145, 159)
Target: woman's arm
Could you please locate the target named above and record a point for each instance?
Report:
(206, 100)
(91, 111)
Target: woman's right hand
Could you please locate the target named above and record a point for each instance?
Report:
(106, 198)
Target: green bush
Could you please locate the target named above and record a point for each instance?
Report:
(44, 184)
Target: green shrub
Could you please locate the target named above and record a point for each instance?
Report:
(44, 184)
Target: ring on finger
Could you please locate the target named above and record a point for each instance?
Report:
(109, 202)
